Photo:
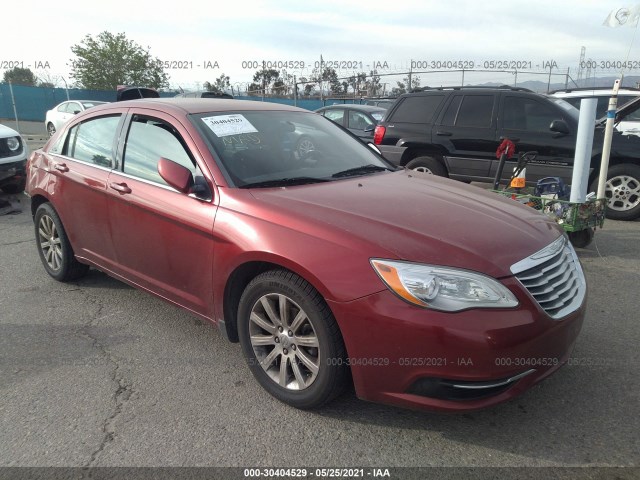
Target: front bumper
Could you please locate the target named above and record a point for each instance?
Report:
(13, 171)
(403, 355)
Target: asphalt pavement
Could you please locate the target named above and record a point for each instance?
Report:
(96, 373)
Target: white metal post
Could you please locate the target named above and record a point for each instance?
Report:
(584, 149)
(608, 135)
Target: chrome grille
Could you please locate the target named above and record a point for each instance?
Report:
(554, 278)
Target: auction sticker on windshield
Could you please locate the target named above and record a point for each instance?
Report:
(225, 125)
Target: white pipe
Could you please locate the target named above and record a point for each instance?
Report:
(608, 135)
(584, 147)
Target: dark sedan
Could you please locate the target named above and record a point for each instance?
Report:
(361, 120)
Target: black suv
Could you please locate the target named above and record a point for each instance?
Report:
(455, 132)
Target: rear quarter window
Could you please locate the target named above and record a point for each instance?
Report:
(418, 109)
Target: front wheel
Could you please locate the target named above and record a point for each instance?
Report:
(428, 165)
(291, 341)
(51, 129)
(622, 191)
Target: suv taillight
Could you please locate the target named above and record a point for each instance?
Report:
(378, 135)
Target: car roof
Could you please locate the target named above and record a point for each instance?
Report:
(199, 105)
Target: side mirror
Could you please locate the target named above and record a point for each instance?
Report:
(175, 175)
(560, 126)
(75, 112)
(369, 128)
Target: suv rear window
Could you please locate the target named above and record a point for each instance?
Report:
(417, 109)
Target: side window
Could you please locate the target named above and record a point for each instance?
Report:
(528, 114)
(74, 108)
(417, 109)
(359, 121)
(92, 141)
(475, 111)
(62, 108)
(451, 114)
(148, 140)
(336, 115)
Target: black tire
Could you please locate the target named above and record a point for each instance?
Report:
(51, 129)
(299, 386)
(623, 191)
(582, 238)
(54, 248)
(429, 165)
(15, 187)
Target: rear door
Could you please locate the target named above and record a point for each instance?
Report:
(163, 238)
(526, 121)
(467, 131)
(80, 164)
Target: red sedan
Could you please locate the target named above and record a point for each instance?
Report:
(324, 262)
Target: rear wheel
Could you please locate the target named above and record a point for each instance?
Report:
(291, 341)
(427, 165)
(54, 248)
(622, 190)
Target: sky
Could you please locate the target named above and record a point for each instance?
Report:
(200, 41)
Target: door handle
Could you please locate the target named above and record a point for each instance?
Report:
(120, 187)
(61, 167)
(444, 134)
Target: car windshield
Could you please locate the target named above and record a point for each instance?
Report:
(567, 107)
(271, 148)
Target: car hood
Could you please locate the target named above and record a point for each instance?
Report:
(7, 132)
(418, 217)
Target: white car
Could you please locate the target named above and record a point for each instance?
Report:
(62, 113)
(13, 160)
(629, 126)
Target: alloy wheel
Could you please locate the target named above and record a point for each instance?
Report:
(50, 244)
(623, 192)
(284, 341)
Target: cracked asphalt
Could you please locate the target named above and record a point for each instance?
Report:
(95, 373)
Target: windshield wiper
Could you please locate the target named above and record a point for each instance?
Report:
(282, 182)
(361, 170)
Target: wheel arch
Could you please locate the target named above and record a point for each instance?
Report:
(36, 201)
(423, 151)
(240, 277)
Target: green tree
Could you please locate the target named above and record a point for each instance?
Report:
(109, 60)
(20, 76)
(220, 84)
(402, 86)
(264, 79)
(373, 84)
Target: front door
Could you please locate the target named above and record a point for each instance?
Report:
(163, 238)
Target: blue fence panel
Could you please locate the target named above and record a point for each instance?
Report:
(32, 103)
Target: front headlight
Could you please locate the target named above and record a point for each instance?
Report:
(13, 143)
(443, 288)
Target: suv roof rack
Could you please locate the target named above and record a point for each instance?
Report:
(473, 87)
